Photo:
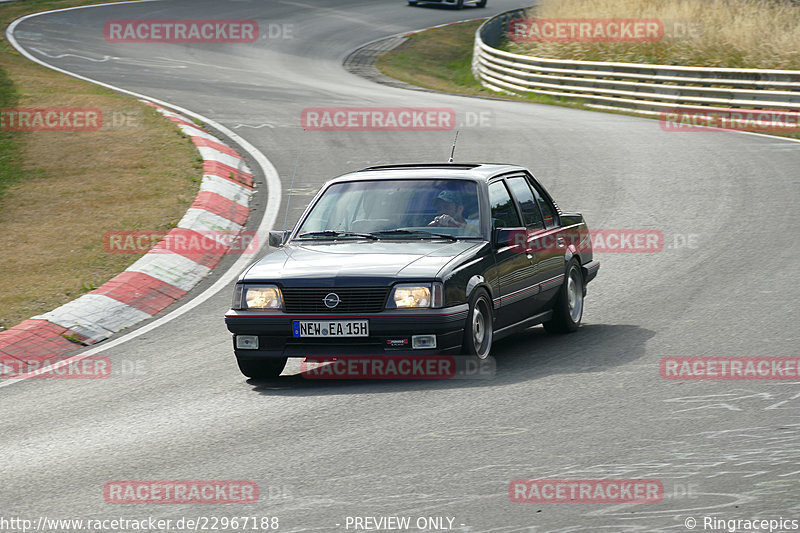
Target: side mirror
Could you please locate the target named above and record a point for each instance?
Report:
(278, 238)
(571, 219)
(515, 238)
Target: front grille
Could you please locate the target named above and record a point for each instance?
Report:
(351, 299)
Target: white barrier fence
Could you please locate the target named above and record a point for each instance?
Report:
(643, 88)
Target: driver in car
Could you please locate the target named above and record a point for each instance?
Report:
(450, 204)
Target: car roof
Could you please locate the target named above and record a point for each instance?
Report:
(470, 171)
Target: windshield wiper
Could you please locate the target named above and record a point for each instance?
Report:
(428, 234)
(336, 233)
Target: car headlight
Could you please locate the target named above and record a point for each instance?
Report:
(257, 297)
(416, 295)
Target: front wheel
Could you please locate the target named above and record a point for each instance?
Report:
(479, 328)
(568, 310)
(481, 3)
(262, 369)
(459, 4)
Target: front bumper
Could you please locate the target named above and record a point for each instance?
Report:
(387, 331)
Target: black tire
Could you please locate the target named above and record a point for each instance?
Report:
(568, 309)
(262, 369)
(459, 4)
(412, 3)
(479, 330)
(481, 3)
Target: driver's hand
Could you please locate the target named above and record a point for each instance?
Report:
(445, 221)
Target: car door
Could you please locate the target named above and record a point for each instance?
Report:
(537, 247)
(513, 266)
(551, 245)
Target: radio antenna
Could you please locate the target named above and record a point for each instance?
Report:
(453, 151)
(291, 189)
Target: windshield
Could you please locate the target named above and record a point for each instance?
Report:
(395, 209)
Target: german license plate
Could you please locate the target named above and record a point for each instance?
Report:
(330, 328)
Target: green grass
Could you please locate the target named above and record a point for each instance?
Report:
(10, 165)
(441, 59)
(442, 63)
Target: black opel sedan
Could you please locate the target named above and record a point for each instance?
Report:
(423, 259)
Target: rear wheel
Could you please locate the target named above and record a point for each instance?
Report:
(481, 3)
(568, 310)
(262, 369)
(479, 329)
(412, 3)
(459, 4)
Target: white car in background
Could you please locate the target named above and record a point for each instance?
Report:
(458, 4)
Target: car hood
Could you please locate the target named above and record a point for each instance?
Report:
(343, 263)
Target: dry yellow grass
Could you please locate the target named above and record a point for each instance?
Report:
(729, 33)
(76, 186)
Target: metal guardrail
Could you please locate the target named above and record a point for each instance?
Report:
(643, 88)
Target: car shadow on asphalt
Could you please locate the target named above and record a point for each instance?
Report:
(440, 7)
(531, 354)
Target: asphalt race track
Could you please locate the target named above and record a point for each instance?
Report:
(584, 406)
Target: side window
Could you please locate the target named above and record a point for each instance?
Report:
(547, 208)
(530, 211)
(504, 213)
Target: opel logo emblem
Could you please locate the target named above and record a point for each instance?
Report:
(331, 300)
